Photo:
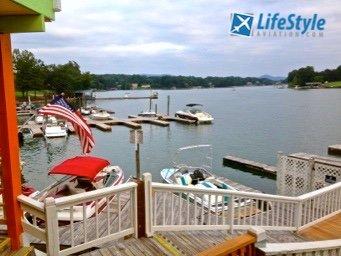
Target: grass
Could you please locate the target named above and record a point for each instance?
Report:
(39, 94)
(336, 84)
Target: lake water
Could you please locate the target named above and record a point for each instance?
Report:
(251, 122)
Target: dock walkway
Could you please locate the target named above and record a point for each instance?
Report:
(260, 168)
(334, 150)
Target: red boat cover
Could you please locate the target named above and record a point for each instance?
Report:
(81, 166)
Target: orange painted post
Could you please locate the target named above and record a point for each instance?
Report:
(9, 146)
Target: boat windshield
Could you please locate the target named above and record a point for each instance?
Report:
(197, 156)
(195, 110)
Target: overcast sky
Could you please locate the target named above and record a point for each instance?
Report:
(181, 37)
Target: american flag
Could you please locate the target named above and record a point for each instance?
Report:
(61, 108)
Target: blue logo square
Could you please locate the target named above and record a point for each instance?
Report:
(241, 24)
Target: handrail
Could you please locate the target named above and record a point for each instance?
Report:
(319, 191)
(299, 247)
(181, 188)
(92, 195)
(32, 203)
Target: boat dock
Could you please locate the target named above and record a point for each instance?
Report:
(126, 98)
(34, 128)
(252, 166)
(269, 170)
(334, 150)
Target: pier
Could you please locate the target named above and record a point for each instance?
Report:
(249, 165)
(334, 150)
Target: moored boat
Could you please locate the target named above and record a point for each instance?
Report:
(83, 174)
(200, 176)
(194, 111)
(54, 128)
(100, 115)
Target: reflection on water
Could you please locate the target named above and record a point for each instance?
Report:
(251, 122)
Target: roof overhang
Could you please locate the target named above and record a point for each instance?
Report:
(17, 16)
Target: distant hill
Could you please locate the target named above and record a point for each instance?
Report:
(273, 78)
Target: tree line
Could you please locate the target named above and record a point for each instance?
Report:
(122, 81)
(32, 74)
(303, 76)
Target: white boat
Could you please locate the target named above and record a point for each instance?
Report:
(100, 115)
(148, 114)
(198, 175)
(39, 119)
(194, 112)
(85, 111)
(54, 129)
(83, 173)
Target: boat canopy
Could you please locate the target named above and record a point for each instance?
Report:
(193, 105)
(81, 166)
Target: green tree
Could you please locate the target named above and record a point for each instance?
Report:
(66, 78)
(30, 72)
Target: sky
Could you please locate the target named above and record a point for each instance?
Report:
(182, 37)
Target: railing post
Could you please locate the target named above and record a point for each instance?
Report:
(311, 174)
(147, 178)
(298, 215)
(52, 244)
(230, 214)
(280, 173)
(134, 211)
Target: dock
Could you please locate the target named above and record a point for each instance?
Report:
(127, 98)
(34, 128)
(249, 165)
(334, 150)
(177, 119)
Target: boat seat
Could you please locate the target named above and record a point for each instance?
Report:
(73, 190)
(184, 179)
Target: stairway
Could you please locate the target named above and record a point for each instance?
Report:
(324, 230)
(5, 249)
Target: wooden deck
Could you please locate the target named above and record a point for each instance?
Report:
(324, 230)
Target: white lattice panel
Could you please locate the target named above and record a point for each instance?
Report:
(325, 175)
(293, 176)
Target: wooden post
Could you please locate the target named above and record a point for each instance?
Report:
(230, 214)
(147, 178)
(141, 213)
(137, 158)
(11, 175)
(150, 104)
(168, 104)
(155, 108)
(52, 243)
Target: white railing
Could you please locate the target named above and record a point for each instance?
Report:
(319, 205)
(328, 247)
(175, 207)
(113, 215)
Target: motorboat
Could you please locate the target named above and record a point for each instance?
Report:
(148, 114)
(198, 175)
(53, 128)
(82, 174)
(100, 115)
(85, 111)
(39, 119)
(194, 112)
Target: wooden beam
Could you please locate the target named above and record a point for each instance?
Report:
(22, 23)
(9, 146)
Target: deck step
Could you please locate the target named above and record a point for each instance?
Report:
(167, 245)
(24, 251)
(5, 246)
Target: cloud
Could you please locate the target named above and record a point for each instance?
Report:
(181, 37)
